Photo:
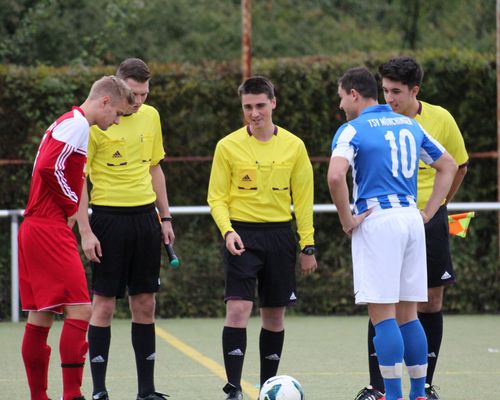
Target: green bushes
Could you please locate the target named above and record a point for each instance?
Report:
(199, 105)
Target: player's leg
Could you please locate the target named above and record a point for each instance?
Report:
(234, 344)
(143, 282)
(389, 346)
(240, 274)
(73, 348)
(413, 289)
(378, 248)
(430, 315)
(376, 381)
(415, 345)
(109, 278)
(375, 390)
(57, 277)
(36, 352)
(99, 337)
(277, 289)
(142, 308)
(272, 337)
(440, 273)
(73, 344)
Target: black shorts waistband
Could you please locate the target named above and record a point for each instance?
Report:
(147, 208)
(256, 226)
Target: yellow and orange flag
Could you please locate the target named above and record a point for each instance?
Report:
(459, 223)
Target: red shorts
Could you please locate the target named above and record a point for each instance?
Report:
(51, 273)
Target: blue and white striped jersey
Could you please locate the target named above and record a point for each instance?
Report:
(383, 149)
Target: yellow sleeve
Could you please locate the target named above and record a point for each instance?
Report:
(91, 149)
(158, 150)
(454, 141)
(219, 189)
(303, 196)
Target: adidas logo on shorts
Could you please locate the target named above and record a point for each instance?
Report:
(446, 275)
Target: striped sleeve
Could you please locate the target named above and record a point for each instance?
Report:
(66, 139)
(431, 149)
(342, 145)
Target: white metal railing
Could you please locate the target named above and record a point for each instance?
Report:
(14, 216)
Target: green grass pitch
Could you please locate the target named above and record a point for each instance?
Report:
(326, 354)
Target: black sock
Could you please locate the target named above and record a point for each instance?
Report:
(234, 346)
(433, 327)
(144, 344)
(376, 379)
(99, 339)
(270, 346)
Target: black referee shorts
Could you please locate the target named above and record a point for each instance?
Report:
(268, 261)
(437, 240)
(131, 250)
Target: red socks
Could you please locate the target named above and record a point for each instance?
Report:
(36, 354)
(73, 348)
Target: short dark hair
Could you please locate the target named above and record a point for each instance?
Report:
(361, 80)
(257, 85)
(133, 68)
(402, 69)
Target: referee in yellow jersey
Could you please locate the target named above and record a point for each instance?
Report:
(124, 236)
(258, 172)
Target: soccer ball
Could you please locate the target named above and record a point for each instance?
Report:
(281, 387)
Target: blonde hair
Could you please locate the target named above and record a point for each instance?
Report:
(113, 87)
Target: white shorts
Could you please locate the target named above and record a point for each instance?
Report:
(389, 257)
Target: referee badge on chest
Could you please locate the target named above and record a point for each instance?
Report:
(115, 152)
(247, 179)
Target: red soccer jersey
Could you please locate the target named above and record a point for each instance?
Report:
(58, 173)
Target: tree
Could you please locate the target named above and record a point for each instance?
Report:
(61, 32)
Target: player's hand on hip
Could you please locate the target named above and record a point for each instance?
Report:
(425, 217)
(167, 232)
(308, 263)
(354, 222)
(234, 244)
(91, 247)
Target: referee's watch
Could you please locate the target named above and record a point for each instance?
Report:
(309, 250)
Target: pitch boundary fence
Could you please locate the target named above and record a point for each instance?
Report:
(16, 215)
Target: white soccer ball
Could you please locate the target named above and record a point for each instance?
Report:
(281, 387)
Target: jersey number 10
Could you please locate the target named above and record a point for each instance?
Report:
(406, 151)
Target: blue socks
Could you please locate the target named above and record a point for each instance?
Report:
(415, 356)
(393, 343)
(390, 349)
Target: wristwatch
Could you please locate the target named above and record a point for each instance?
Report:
(309, 250)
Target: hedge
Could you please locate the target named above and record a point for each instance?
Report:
(199, 105)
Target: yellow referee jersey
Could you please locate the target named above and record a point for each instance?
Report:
(255, 181)
(120, 157)
(440, 124)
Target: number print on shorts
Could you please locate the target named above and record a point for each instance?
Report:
(407, 149)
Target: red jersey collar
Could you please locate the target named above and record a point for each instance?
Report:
(79, 110)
